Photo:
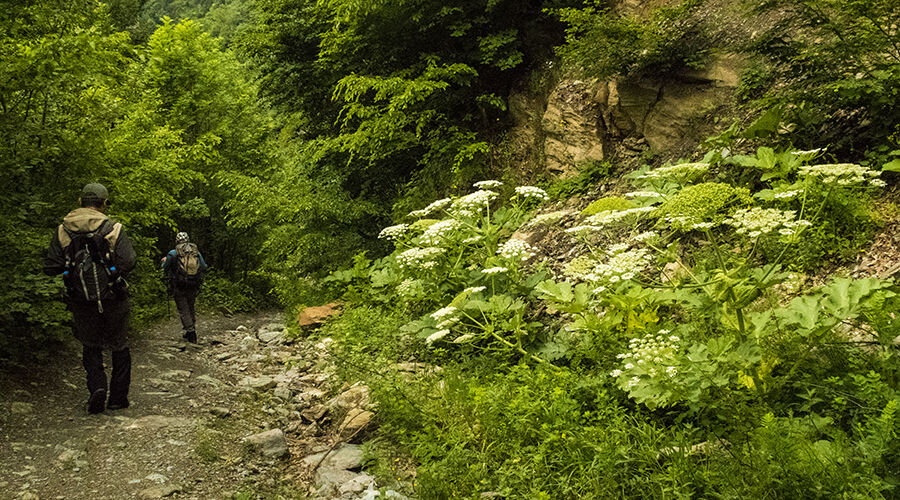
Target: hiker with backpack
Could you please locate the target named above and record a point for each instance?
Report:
(184, 267)
(94, 255)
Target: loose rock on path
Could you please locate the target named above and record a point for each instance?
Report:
(244, 412)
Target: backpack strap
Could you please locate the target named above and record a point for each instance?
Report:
(64, 238)
(113, 235)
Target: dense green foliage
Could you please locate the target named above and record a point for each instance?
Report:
(678, 355)
(164, 126)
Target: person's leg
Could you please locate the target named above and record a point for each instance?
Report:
(92, 360)
(184, 309)
(120, 379)
(191, 335)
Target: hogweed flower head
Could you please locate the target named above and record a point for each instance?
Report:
(419, 257)
(583, 230)
(494, 270)
(755, 222)
(842, 174)
(473, 203)
(516, 250)
(439, 231)
(393, 233)
(487, 184)
(433, 207)
(438, 335)
(531, 192)
(443, 312)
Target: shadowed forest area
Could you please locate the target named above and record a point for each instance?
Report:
(570, 248)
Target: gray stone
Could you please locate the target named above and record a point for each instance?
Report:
(220, 411)
(157, 478)
(270, 337)
(29, 496)
(160, 491)
(357, 485)
(270, 443)
(329, 480)
(345, 456)
(241, 328)
(272, 327)
(249, 343)
(354, 397)
(262, 383)
(282, 393)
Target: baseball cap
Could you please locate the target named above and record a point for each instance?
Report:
(94, 191)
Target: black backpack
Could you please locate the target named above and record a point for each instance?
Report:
(90, 275)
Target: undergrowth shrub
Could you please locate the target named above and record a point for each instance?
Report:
(606, 203)
(670, 354)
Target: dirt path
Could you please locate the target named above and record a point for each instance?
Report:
(181, 437)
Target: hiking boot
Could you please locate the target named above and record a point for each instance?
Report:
(117, 405)
(191, 337)
(97, 401)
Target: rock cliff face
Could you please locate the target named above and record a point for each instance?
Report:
(587, 121)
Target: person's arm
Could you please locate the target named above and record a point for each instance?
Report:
(55, 259)
(168, 263)
(203, 266)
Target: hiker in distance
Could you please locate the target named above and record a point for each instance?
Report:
(94, 255)
(184, 267)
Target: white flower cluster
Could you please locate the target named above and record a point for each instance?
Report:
(487, 184)
(681, 171)
(531, 192)
(433, 207)
(583, 230)
(393, 233)
(644, 194)
(475, 289)
(419, 257)
(516, 250)
(494, 270)
(757, 221)
(438, 232)
(645, 236)
(650, 356)
(473, 203)
(409, 288)
(843, 174)
(438, 335)
(612, 216)
(443, 312)
(548, 218)
(788, 195)
(621, 266)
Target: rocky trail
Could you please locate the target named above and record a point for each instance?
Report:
(246, 413)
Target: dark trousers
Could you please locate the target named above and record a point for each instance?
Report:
(92, 360)
(184, 300)
(107, 330)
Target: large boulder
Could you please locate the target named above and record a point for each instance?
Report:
(573, 128)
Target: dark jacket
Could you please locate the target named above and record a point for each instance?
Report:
(84, 220)
(107, 329)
